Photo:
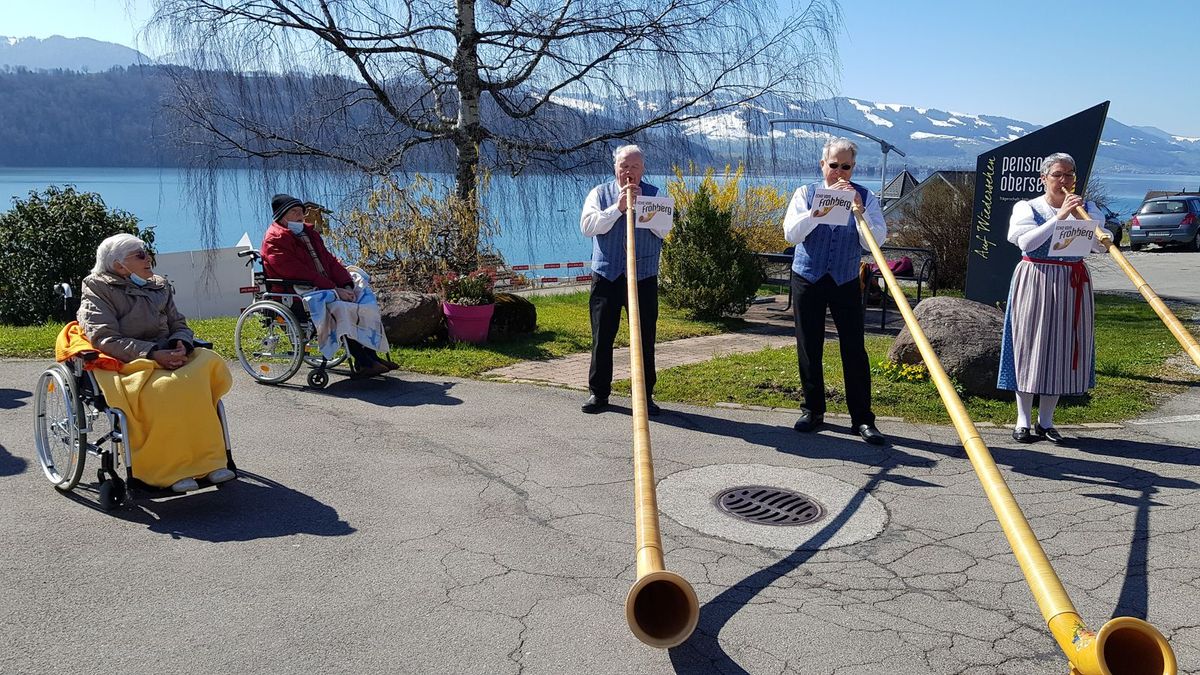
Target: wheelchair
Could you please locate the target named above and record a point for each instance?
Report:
(274, 336)
(68, 404)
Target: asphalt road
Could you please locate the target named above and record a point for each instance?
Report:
(422, 525)
(1173, 274)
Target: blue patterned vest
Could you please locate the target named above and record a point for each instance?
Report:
(835, 251)
(608, 249)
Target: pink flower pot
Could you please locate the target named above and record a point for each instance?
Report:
(468, 323)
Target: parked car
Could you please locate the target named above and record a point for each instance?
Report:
(1166, 220)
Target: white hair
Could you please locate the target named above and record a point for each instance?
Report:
(114, 249)
(1056, 158)
(621, 152)
(835, 145)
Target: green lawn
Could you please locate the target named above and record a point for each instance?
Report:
(1132, 376)
(563, 328)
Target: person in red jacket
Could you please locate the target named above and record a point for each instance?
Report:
(292, 249)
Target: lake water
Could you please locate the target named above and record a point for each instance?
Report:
(538, 216)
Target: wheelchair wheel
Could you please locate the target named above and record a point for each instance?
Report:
(268, 341)
(318, 378)
(112, 493)
(312, 355)
(59, 428)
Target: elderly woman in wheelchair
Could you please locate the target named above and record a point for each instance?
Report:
(309, 307)
(132, 357)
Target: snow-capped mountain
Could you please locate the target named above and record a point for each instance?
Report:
(58, 52)
(935, 138)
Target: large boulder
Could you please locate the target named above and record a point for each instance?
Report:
(410, 318)
(966, 337)
(514, 315)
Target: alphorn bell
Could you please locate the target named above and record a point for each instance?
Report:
(1182, 335)
(661, 606)
(1124, 645)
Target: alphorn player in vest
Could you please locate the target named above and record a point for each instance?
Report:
(825, 275)
(603, 220)
(1048, 346)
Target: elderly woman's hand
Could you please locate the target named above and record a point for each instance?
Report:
(170, 358)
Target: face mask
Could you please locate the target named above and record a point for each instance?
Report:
(134, 278)
(295, 227)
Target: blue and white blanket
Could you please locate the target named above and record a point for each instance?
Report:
(359, 320)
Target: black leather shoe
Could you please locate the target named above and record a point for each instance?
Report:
(1022, 435)
(1050, 434)
(870, 434)
(808, 422)
(652, 408)
(595, 404)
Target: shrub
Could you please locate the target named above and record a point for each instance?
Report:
(757, 210)
(52, 237)
(941, 221)
(707, 268)
(412, 233)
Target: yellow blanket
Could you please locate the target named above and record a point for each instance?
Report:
(174, 431)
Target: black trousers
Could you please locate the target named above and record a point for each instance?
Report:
(607, 299)
(809, 301)
(361, 353)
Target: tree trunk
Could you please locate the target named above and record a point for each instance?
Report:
(469, 126)
(468, 131)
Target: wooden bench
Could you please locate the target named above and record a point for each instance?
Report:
(777, 269)
(923, 273)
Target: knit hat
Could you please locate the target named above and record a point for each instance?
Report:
(281, 203)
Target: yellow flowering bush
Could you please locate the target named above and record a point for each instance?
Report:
(757, 210)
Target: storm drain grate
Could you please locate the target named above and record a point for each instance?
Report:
(769, 506)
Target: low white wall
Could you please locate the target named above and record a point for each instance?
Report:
(208, 283)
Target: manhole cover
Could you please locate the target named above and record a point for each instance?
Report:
(769, 506)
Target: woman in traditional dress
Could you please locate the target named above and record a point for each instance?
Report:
(1048, 347)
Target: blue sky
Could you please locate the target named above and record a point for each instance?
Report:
(1031, 60)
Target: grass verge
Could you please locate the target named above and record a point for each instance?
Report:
(1134, 369)
(563, 328)
(1134, 373)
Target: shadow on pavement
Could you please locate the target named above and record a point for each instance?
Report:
(1134, 598)
(11, 398)
(702, 653)
(392, 392)
(1167, 454)
(252, 507)
(11, 465)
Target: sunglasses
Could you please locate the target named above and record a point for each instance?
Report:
(140, 255)
(843, 167)
(1061, 174)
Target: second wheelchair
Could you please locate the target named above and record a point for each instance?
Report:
(275, 336)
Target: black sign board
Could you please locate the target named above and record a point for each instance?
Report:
(1010, 173)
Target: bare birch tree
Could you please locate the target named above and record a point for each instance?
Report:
(379, 87)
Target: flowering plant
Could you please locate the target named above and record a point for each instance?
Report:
(471, 289)
(901, 372)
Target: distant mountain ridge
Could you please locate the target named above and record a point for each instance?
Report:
(106, 109)
(942, 139)
(58, 52)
